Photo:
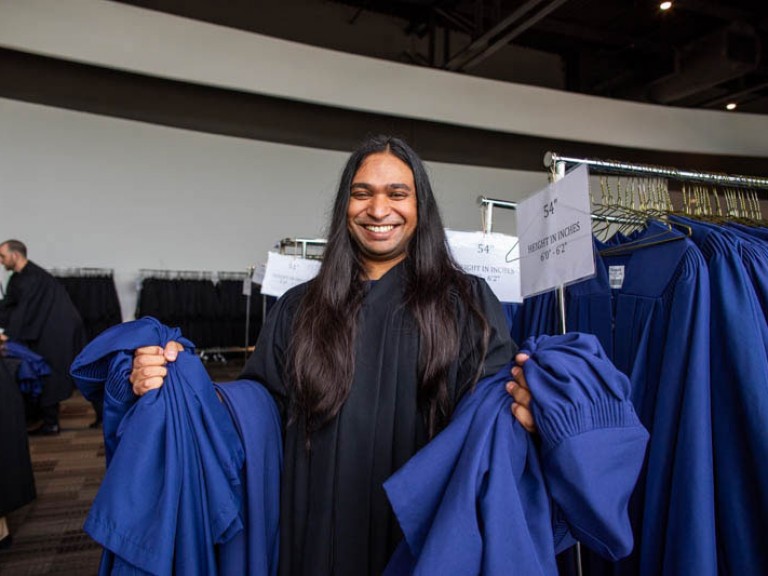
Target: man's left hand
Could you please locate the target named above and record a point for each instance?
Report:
(518, 389)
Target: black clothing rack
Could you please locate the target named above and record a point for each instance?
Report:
(94, 295)
(209, 352)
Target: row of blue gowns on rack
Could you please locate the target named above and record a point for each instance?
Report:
(683, 313)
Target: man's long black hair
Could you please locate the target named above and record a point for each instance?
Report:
(321, 358)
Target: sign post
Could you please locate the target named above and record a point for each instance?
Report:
(555, 229)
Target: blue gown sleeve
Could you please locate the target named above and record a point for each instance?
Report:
(592, 442)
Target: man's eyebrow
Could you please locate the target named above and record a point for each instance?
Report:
(394, 185)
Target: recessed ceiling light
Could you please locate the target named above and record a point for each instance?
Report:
(665, 5)
(730, 106)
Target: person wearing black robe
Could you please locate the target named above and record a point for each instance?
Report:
(37, 312)
(17, 482)
(335, 517)
(386, 256)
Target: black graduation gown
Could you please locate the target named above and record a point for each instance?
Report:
(17, 482)
(37, 312)
(334, 516)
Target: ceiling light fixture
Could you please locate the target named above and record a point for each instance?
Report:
(665, 5)
(730, 106)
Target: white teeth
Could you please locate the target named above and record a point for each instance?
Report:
(379, 228)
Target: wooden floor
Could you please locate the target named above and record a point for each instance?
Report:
(47, 534)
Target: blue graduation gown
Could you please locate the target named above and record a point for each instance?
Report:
(754, 256)
(255, 550)
(738, 361)
(656, 329)
(32, 369)
(479, 498)
(172, 489)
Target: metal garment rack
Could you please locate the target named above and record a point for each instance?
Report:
(557, 164)
(248, 278)
(615, 167)
(294, 247)
(147, 274)
(216, 352)
(81, 272)
(488, 204)
(302, 246)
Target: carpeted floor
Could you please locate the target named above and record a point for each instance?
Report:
(47, 534)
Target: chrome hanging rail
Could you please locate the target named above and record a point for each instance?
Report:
(488, 204)
(304, 243)
(614, 167)
(81, 272)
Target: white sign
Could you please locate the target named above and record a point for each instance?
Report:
(258, 274)
(493, 257)
(555, 231)
(285, 272)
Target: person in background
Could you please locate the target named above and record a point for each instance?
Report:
(37, 312)
(17, 481)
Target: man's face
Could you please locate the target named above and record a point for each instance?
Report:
(382, 212)
(7, 258)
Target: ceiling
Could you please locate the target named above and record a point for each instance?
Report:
(699, 53)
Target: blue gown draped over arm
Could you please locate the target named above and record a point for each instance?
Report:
(172, 489)
(480, 499)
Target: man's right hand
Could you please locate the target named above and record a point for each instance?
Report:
(149, 366)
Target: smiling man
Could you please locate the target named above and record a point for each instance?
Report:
(367, 362)
(382, 212)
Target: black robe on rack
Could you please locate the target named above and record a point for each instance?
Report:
(334, 514)
(17, 482)
(38, 313)
(96, 300)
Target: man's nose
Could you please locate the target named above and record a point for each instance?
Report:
(378, 207)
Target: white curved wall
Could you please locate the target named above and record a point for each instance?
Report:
(84, 190)
(128, 38)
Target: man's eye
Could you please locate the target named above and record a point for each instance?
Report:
(360, 195)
